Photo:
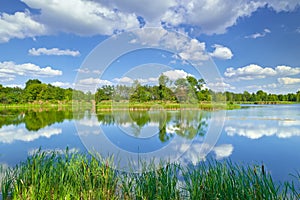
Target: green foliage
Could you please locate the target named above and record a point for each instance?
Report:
(54, 175)
(36, 91)
(183, 90)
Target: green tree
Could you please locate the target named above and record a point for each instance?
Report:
(32, 82)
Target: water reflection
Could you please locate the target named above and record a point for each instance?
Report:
(186, 123)
(28, 124)
(34, 120)
(11, 133)
(257, 122)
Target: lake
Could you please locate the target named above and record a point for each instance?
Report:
(255, 134)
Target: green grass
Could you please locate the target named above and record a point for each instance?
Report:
(78, 176)
(108, 105)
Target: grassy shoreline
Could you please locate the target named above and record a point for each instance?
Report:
(106, 106)
(78, 176)
(109, 105)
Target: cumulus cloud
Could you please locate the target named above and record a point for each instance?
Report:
(86, 17)
(221, 52)
(249, 72)
(265, 87)
(258, 35)
(176, 74)
(283, 5)
(93, 81)
(15, 85)
(104, 17)
(219, 86)
(254, 71)
(287, 70)
(128, 80)
(63, 84)
(19, 25)
(253, 131)
(223, 151)
(288, 80)
(53, 51)
(210, 16)
(256, 128)
(11, 70)
(9, 134)
(185, 47)
(151, 11)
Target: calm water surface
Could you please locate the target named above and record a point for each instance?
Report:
(254, 134)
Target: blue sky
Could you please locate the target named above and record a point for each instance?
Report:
(253, 44)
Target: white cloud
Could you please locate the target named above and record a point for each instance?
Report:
(219, 86)
(251, 131)
(19, 25)
(252, 72)
(283, 5)
(93, 81)
(11, 70)
(9, 134)
(210, 16)
(6, 77)
(197, 151)
(123, 80)
(104, 17)
(53, 51)
(89, 122)
(288, 80)
(221, 52)
(151, 11)
(258, 126)
(83, 17)
(128, 80)
(249, 72)
(176, 74)
(258, 35)
(62, 84)
(287, 70)
(254, 131)
(186, 48)
(85, 70)
(223, 151)
(16, 85)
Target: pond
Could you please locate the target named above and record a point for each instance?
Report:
(268, 134)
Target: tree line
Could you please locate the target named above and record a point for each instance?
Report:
(189, 89)
(35, 91)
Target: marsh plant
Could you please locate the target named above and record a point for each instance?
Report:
(55, 175)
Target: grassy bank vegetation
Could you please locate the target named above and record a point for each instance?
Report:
(78, 176)
(109, 105)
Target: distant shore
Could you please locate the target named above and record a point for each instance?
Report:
(151, 105)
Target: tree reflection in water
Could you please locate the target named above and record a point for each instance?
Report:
(184, 123)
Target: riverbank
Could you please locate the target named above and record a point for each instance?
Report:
(77, 176)
(110, 105)
(157, 105)
(267, 102)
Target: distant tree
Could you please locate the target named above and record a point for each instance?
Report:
(104, 93)
(31, 82)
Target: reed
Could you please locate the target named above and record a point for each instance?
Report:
(79, 176)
